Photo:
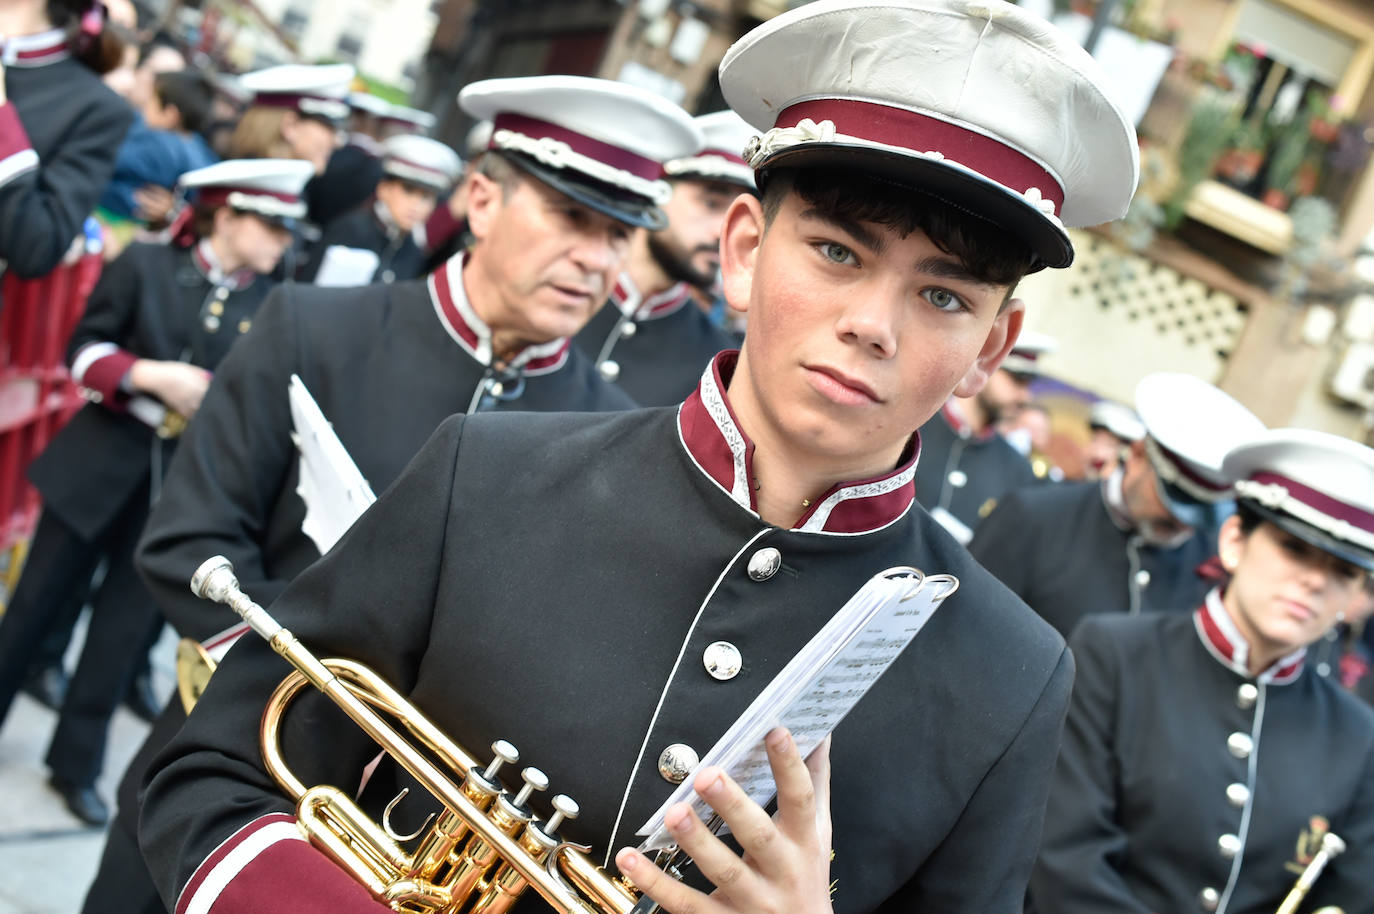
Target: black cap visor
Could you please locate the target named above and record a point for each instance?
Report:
(631, 209)
(976, 196)
(1341, 549)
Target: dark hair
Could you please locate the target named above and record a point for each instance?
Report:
(1250, 519)
(190, 93)
(987, 251)
(101, 52)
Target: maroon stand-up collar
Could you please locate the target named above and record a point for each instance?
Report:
(637, 307)
(35, 50)
(203, 256)
(721, 449)
(1224, 642)
(472, 333)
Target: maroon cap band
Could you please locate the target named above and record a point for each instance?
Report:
(219, 196)
(904, 129)
(606, 153)
(291, 99)
(1187, 472)
(427, 169)
(1320, 501)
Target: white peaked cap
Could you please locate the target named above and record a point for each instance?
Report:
(1025, 356)
(366, 101)
(421, 160)
(412, 116)
(268, 187)
(1117, 418)
(599, 141)
(976, 102)
(315, 91)
(722, 156)
(1190, 428)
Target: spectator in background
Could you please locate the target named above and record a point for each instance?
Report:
(1113, 428)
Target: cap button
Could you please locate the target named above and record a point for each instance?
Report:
(764, 563)
(1240, 745)
(722, 660)
(1209, 898)
(1229, 846)
(1246, 696)
(610, 371)
(1238, 794)
(676, 762)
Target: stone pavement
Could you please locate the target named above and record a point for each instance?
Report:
(47, 856)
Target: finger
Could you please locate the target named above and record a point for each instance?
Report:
(716, 860)
(818, 764)
(796, 788)
(753, 828)
(672, 895)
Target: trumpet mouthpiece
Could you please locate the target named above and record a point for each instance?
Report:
(214, 579)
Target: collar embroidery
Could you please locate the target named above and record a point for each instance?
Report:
(35, 50)
(472, 333)
(634, 305)
(203, 256)
(1224, 642)
(720, 448)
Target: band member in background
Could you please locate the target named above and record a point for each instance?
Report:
(489, 331)
(376, 243)
(60, 127)
(1134, 541)
(354, 169)
(158, 322)
(966, 466)
(1112, 429)
(557, 580)
(1203, 758)
(652, 340)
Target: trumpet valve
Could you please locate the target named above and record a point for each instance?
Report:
(565, 808)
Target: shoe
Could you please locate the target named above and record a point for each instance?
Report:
(48, 686)
(83, 802)
(141, 699)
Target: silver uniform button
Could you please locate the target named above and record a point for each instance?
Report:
(628, 329)
(609, 371)
(1229, 846)
(1209, 898)
(1323, 669)
(496, 388)
(676, 762)
(222, 293)
(1246, 696)
(1142, 579)
(722, 660)
(958, 479)
(1240, 745)
(764, 563)
(211, 323)
(388, 276)
(1238, 794)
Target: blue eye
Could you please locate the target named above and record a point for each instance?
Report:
(943, 299)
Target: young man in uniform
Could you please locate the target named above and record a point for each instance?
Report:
(489, 331)
(652, 340)
(611, 592)
(1135, 541)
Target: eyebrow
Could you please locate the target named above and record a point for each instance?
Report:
(948, 267)
(951, 268)
(856, 230)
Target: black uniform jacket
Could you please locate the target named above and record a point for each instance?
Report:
(554, 580)
(369, 228)
(59, 133)
(1186, 784)
(386, 364)
(1064, 553)
(154, 301)
(349, 178)
(654, 348)
(965, 474)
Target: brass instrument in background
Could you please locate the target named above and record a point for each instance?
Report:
(479, 854)
(1332, 846)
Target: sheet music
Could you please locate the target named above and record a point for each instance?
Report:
(331, 485)
(344, 266)
(819, 686)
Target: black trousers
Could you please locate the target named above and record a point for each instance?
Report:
(123, 620)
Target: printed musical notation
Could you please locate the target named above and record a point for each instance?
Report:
(819, 686)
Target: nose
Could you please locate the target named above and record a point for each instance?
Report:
(595, 254)
(868, 320)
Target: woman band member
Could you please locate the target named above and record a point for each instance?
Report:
(1204, 759)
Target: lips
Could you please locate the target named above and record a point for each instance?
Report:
(841, 386)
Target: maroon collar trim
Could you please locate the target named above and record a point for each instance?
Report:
(472, 333)
(1224, 642)
(203, 256)
(633, 305)
(718, 446)
(35, 50)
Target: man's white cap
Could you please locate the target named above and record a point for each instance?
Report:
(603, 143)
(1317, 486)
(477, 139)
(420, 160)
(408, 117)
(722, 156)
(1024, 357)
(1116, 418)
(267, 187)
(366, 101)
(975, 102)
(1190, 428)
(312, 91)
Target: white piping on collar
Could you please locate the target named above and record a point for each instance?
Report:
(1216, 611)
(54, 41)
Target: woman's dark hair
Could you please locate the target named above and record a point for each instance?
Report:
(190, 93)
(1250, 519)
(102, 50)
(988, 252)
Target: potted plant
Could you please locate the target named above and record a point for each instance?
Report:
(1289, 151)
(1210, 126)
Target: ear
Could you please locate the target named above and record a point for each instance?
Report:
(741, 237)
(484, 201)
(290, 124)
(1000, 340)
(1230, 543)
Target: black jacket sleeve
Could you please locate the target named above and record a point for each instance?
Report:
(230, 467)
(366, 600)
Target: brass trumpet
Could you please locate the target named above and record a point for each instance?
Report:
(479, 854)
(1332, 846)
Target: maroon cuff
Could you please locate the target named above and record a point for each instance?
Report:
(105, 374)
(16, 152)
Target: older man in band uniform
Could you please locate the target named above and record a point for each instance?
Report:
(557, 580)
(490, 331)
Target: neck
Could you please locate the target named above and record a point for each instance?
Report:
(974, 414)
(644, 270)
(1260, 654)
(24, 17)
(228, 262)
(486, 301)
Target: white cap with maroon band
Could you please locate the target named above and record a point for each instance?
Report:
(319, 92)
(975, 102)
(722, 157)
(603, 143)
(1319, 487)
(270, 188)
(1025, 356)
(420, 160)
(407, 117)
